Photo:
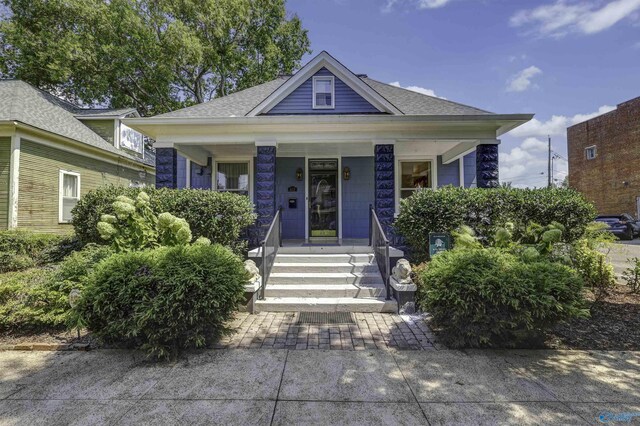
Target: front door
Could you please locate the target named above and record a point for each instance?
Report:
(323, 200)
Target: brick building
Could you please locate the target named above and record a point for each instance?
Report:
(604, 159)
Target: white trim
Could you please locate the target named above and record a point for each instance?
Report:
(461, 171)
(333, 92)
(586, 152)
(14, 181)
(324, 60)
(61, 174)
(116, 134)
(266, 142)
(398, 173)
(214, 172)
(306, 192)
(187, 175)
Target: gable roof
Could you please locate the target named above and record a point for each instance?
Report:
(387, 98)
(414, 103)
(19, 101)
(237, 104)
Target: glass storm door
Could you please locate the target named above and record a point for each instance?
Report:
(323, 199)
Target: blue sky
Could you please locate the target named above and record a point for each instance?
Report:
(563, 60)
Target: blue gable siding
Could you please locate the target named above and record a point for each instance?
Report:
(292, 219)
(357, 194)
(448, 174)
(300, 101)
(470, 170)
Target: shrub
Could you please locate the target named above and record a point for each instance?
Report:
(218, 216)
(165, 299)
(20, 249)
(486, 210)
(490, 297)
(37, 299)
(632, 275)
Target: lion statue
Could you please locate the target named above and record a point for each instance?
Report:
(402, 272)
(252, 270)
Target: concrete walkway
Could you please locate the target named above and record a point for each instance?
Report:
(244, 387)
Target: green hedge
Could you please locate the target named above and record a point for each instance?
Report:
(165, 299)
(220, 216)
(489, 297)
(38, 299)
(448, 208)
(24, 249)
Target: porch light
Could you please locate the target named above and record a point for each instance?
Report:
(299, 174)
(346, 173)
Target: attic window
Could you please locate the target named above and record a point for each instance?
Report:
(323, 93)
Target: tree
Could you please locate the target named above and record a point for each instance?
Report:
(155, 55)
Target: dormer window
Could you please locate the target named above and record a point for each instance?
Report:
(323, 93)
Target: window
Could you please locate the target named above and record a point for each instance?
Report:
(69, 193)
(590, 152)
(414, 175)
(323, 92)
(233, 177)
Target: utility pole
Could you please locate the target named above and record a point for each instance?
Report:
(549, 163)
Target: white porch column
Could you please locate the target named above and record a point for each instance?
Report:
(14, 181)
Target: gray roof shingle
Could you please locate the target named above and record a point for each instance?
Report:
(414, 103)
(22, 102)
(240, 103)
(237, 104)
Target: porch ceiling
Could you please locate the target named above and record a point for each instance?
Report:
(340, 149)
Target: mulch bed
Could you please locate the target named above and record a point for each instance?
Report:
(614, 325)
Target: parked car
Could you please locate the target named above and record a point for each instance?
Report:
(623, 226)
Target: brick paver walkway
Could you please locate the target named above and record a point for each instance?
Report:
(275, 330)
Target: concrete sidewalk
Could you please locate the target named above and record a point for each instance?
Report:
(243, 387)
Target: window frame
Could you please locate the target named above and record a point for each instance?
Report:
(398, 174)
(333, 92)
(234, 160)
(61, 196)
(588, 149)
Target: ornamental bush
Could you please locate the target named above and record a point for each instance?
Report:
(219, 216)
(38, 299)
(489, 297)
(163, 300)
(485, 210)
(20, 249)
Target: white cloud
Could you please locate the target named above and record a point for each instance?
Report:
(418, 89)
(522, 80)
(570, 16)
(556, 125)
(526, 163)
(417, 4)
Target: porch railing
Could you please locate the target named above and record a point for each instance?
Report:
(269, 249)
(380, 245)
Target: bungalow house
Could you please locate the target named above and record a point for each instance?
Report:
(315, 150)
(52, 152)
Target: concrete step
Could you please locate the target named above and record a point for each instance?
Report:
(328, 278)
(324, 290)
(282, 267)
(339, 304)
(324, 258)
(320, 249)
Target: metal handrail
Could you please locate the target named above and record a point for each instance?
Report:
(380, 245)
(272, 241)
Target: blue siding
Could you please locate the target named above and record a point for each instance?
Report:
(357, 194)
(201, 176)
(300, 101)
(448, 174)
(182, 172)
(292, 219)
(470, 170)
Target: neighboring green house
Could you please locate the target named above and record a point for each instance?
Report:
(52, 152)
